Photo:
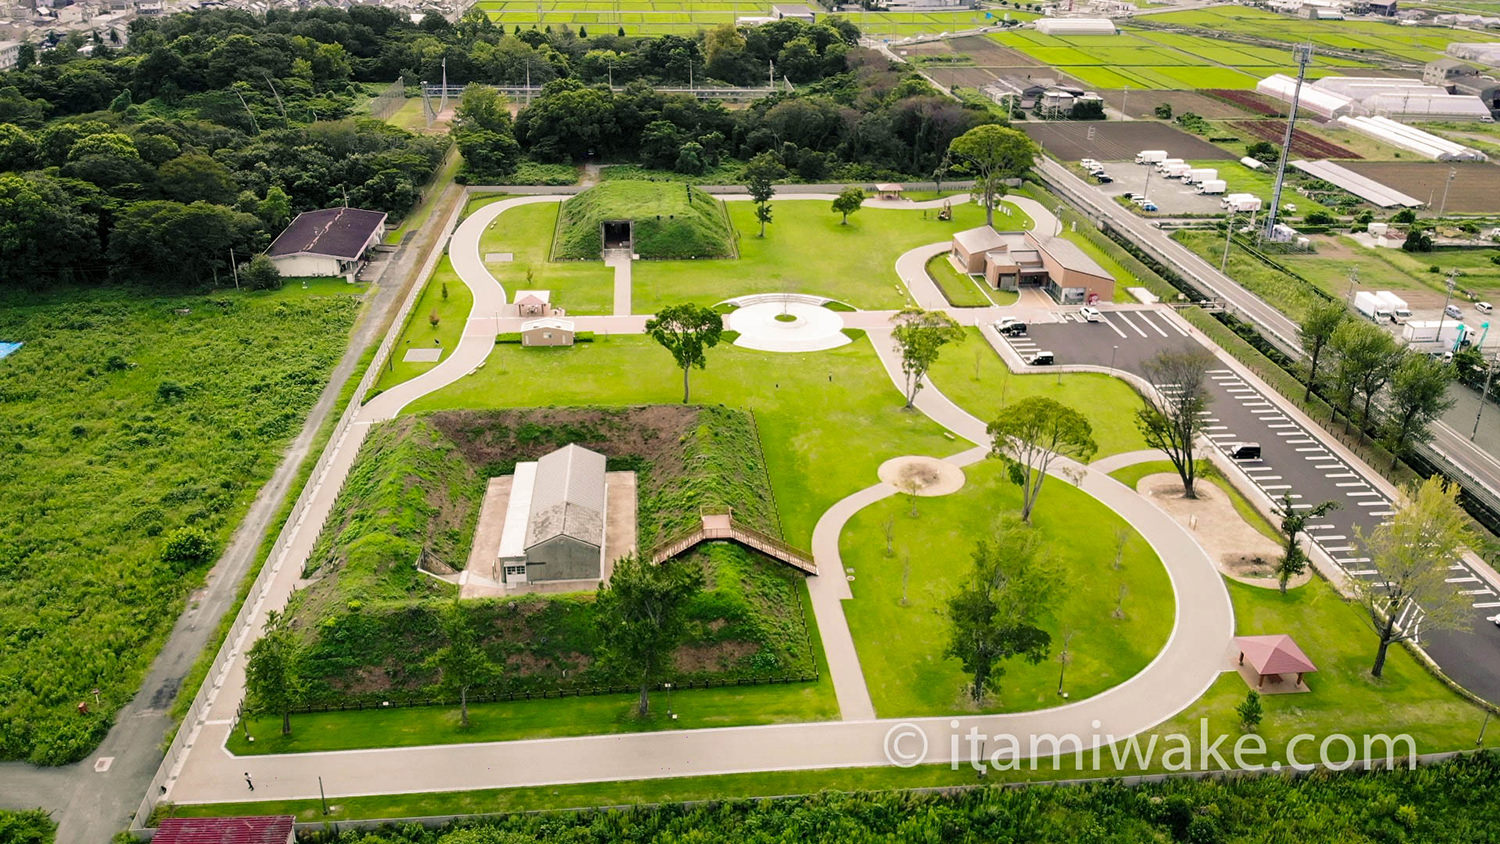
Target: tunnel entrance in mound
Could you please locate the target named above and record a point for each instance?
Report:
(618, 234)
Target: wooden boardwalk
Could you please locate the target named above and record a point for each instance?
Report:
(722, 526)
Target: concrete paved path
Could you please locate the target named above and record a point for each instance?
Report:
(1185, 668)
(620, 260)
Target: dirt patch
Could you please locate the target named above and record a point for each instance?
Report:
(1118, 141)
(1143, 103)
(499, 439)
(1239, 550)
(1473, 190)
(924, 476)
(715, 656)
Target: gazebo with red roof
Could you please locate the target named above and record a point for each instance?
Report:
(1273, 656)
(268, 829)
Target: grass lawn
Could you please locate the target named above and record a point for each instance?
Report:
(452, 311)
(1241, 179)
(976, 379)
(579, 287)
(963, 290)
(126, 420)
(1132, 474)
(805, 250)
(815, 458)
(571, 716)
(1290, 295)
(1393, 269)
(1343, 699)
(901, 647)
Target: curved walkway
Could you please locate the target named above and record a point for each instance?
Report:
(1188, 664)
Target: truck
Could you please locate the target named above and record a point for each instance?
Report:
(1212, 186)
(1400, 313)
(1241, 202)
(1161, 166)
(1198, 175)
(1370, 306)
(1176, 171)
(1150, 156)
(1435, 335)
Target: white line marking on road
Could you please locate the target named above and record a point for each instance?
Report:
(1352, 483)
(1384, 513)
(1113, 327)
(1486, 605)
(1149, 324)
(1216, 427)
(1470, 579)
(1269, 487)
(1373, 503)
(1476, 591)
(1320, 527)
(1361, 494)
(1332, 549)
(1132, 325)
(1363, 572)
(1311, 449)
(1281, 425)
(1221, 436)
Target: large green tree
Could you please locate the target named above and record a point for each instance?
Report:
(485, 134)
(1367, 356)
(1412, 552)
(687, 331)
(993, 154)
(642, 618)
(461, 661)
(847, 202)
(1173, 417)
(760, 180)
(996, 613)
(1418, 395)
(273, 674)
(43, 231)
(1318, 326)
(920, 336)
(1030, 434)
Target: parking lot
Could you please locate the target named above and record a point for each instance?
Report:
(1294, 460)
(1170, 195)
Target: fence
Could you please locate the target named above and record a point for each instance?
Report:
(193, 721)
(389, 101)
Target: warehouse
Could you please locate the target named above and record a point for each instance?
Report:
(1076, 26)
(1411, 138)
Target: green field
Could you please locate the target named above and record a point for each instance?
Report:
(127, 417)
(901, 645)
(1411, 43)
(686, 17)
(445, 297)
(579, 287)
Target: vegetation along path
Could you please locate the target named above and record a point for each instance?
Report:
(1186, 667)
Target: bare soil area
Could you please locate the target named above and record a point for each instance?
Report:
(1239, 550)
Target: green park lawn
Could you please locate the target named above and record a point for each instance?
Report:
(805, 250)
(579, 287)
(569, 716)
(827, 419)
(452, 309)
(1393, 269)
(963, 290)
(974, 377)
(901, 646)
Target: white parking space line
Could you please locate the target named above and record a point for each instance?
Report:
(1221, 436)
(1327, 466)
(1485, 605)
(1476, 591)
(1291, 433)
(1384, 513)
(1352, 483)
(1221, 372)
(1144, 318)
(1267, 477)
(1175, 327)
(1344, 475)
(1311, 449)
(1331, 537)
(1334, 549)
(1269, 487)
(1216, 427)
(1469, 579)
(1257, 468)
(1363, 572)
(1121, 317)
(1361, 494)
(1113, 327)
(1372, 503)
(1281, 425)
(1347, 561)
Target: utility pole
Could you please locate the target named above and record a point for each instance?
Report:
(1125, 102)
(1452, 280)
(1353, 281)
(1484, 394)
(1303, 55)
(443, 101)
(235, 268)
(1442, 209)
(1228, 233)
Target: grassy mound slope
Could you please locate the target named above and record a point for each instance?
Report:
(370, 618)
(671, 221)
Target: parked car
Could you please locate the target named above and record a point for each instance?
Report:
(1147, 205)
(1040, 359)
(1483, 307)
(1243, 451)
(1103, 177)
(1494, 619)
(1010, 326)
(1090, 314)
(1453, 311)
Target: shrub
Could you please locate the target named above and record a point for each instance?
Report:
(186, 549)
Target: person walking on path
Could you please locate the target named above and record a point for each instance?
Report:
(248, 782)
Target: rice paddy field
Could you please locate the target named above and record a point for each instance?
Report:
(1151, 60)
(1413, 43)
(685, 17)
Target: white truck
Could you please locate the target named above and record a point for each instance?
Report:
(1241, 202)
(1150, 156)
(1371, 306)
(1212, 187)
(1177, 171)
(1431, 335)
(1200, 174)
(1161, 166)
(1400, 313)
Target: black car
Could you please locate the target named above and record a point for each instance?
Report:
(1010, 327)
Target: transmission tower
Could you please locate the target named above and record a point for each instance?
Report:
(1303, 54)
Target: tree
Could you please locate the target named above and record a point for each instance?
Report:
(1263, 151)
(1318, 325)
(187, 548)
(1412, 552)
(1293, 521)
(642, 615)
(1418, 395)
(921, 335)
(687, 331)
(485, 134)
(760, 177)
(1417, 240)
(194, 176)
(994, 615)
(273, 682)
(993, 153)
(1163, 111)
(461, 661)
(1250, 712)
(1173, 417)
(847, 202)
(260, 273)
(1031, 433)
(1367, 358)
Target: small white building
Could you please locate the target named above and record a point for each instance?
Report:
(795, 11)
(10, 55)
(328, 242)
(1076, 26)
(548, 331)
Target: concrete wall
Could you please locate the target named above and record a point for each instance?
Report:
(971, 262)
(547, 337)
(562, 558)
(295, 266)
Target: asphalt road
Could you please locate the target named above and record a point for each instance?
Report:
(1475, 468)
(1294, 460)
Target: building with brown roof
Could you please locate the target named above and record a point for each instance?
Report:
(327, 242)
(1013, 260)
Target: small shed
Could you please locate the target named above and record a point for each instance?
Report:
(889, 190)
(795, 11)
(267, 829)
(1273, 656)
(565, 528)
(547, 331)
(533, 303)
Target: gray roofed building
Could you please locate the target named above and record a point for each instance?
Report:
(565, 527)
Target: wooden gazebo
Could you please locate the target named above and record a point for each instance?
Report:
(1273, 656)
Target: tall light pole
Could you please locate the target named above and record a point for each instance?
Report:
(1112, 351)
(1484, 394)
(1452, 280)
(1228, 233)
(1303, 54)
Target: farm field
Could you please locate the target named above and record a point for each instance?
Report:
(130, 417)
(1412, 43)
(1473, 190)
(686, 17)
(1118, 141)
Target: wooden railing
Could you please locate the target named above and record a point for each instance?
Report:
(723, 527)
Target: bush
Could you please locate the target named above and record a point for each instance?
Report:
(187, 548)
(260, 273)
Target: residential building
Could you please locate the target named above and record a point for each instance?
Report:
(328, 242)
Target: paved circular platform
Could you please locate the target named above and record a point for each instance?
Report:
(929, 475)
(812, 328)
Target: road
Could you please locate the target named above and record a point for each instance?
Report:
(1475, 469)
(1298, 458)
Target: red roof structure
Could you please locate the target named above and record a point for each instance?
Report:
(269, 829)
(1274, 656)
